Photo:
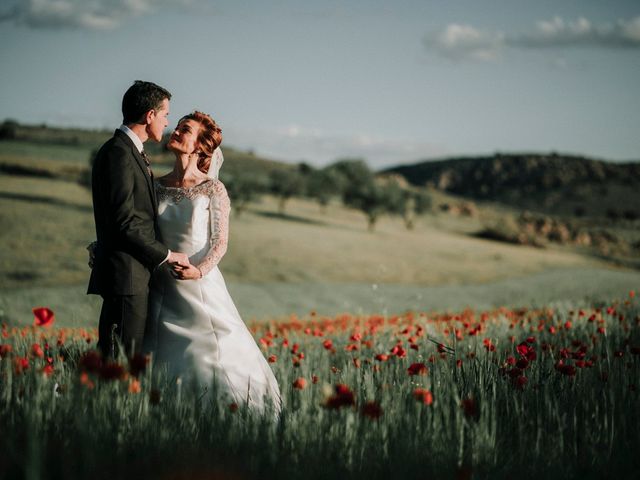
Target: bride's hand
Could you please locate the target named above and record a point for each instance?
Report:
(187, 273)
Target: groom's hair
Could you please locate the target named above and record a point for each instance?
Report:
(140, 98)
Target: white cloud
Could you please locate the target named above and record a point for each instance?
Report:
(87, 14)
(458, 42)
(581, 33)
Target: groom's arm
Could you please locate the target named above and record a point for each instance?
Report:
(135, 230)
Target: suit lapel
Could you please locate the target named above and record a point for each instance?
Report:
(143, 167)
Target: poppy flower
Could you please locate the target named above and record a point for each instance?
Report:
(112, 371)
(272, 359)
(382, 357)
(36, 350)
(86, 381)
(417, 369)
(327, 344)
(520, 382)
(91, 361)
(5, 350)
(299, 383)
(371, 410)
(470, 408)
(134, 386)
(138, 364)
(423, 396)
(43, 316)
(343, 397)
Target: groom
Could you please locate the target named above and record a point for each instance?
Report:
(125, 212)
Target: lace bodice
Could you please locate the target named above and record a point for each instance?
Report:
(183, 224)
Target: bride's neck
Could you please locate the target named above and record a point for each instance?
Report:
(186, 167)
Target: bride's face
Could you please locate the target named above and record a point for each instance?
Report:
(184, 138)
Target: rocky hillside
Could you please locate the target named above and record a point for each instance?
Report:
(553, 183)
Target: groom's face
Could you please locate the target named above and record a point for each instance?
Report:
(159, 121)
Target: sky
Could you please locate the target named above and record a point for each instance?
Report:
(391, 82)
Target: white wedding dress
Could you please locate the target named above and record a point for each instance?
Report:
(196, 326)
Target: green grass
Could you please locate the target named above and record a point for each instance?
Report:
(557, 426)
(47, 224)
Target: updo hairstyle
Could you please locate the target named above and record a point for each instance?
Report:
(209, 138)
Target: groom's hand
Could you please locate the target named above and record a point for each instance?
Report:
(178, 259)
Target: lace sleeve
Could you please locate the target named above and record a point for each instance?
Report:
(219, 208)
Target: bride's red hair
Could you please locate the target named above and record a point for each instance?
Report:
(209, 138)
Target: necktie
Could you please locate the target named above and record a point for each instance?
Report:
(147, 163)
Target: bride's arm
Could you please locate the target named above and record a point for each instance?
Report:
(219, 208)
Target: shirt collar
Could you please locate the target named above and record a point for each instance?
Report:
(134, 138)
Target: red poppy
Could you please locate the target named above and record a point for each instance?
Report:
(272, 358)
(418, 369)
(514, 372)
(521, 381)
(138, 364)
(327, 344)
(470, 408)
(382, 357)
(299, 383)
(423, 396)
(47, 370)
(21, 364)
(91, 361)
(372, 410)
(398, 351)
(343, 397)
(36, 350)
(112, 371)
(5, 350)
(43, 316)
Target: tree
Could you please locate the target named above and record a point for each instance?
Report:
(324, 184)
(284, 184)
(414, 202)
(371, 198)
(243, 188)
(9, 130)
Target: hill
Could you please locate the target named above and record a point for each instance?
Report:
(64, 153)
(553, 183)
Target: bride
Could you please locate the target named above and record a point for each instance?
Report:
(194, 325)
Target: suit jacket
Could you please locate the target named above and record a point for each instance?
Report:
(125, 211)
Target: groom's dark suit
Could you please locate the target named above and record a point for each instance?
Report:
(125, 211)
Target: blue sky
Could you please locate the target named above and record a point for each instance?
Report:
(390, 82)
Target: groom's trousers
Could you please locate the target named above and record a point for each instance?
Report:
(122, 319)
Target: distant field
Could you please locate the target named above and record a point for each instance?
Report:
(29, 151)
(278, 264)
(47, 224)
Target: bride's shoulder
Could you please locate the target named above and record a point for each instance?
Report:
(218, 188)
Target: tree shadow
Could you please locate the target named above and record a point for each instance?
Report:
(289, 218)
(46, 200)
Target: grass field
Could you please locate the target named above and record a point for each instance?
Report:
(500, 394)
(429, 353)
(303, 260)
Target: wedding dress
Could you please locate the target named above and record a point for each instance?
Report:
(197, 328)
